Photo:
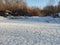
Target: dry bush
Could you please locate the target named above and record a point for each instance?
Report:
(8, 6)
(21, 9)
(58, 7)
(48, 10)
(1, 6)
(35, 11)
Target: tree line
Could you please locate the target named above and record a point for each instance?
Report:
(20, 8)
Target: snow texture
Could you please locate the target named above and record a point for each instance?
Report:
(47, 19)
(29, 31)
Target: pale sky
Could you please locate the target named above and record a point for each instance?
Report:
(41, 3)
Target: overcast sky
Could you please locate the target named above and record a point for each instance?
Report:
(41, 3)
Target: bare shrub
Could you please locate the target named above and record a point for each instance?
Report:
(20, 8)
(35, 11)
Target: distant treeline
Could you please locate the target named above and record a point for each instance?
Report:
(21, 9)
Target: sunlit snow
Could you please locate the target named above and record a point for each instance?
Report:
(30, 31)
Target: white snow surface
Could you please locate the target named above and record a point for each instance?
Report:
(47, 19)
(30, 31)
(59, 14)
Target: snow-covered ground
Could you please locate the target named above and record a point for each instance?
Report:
(47, 19)
(30, 31)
